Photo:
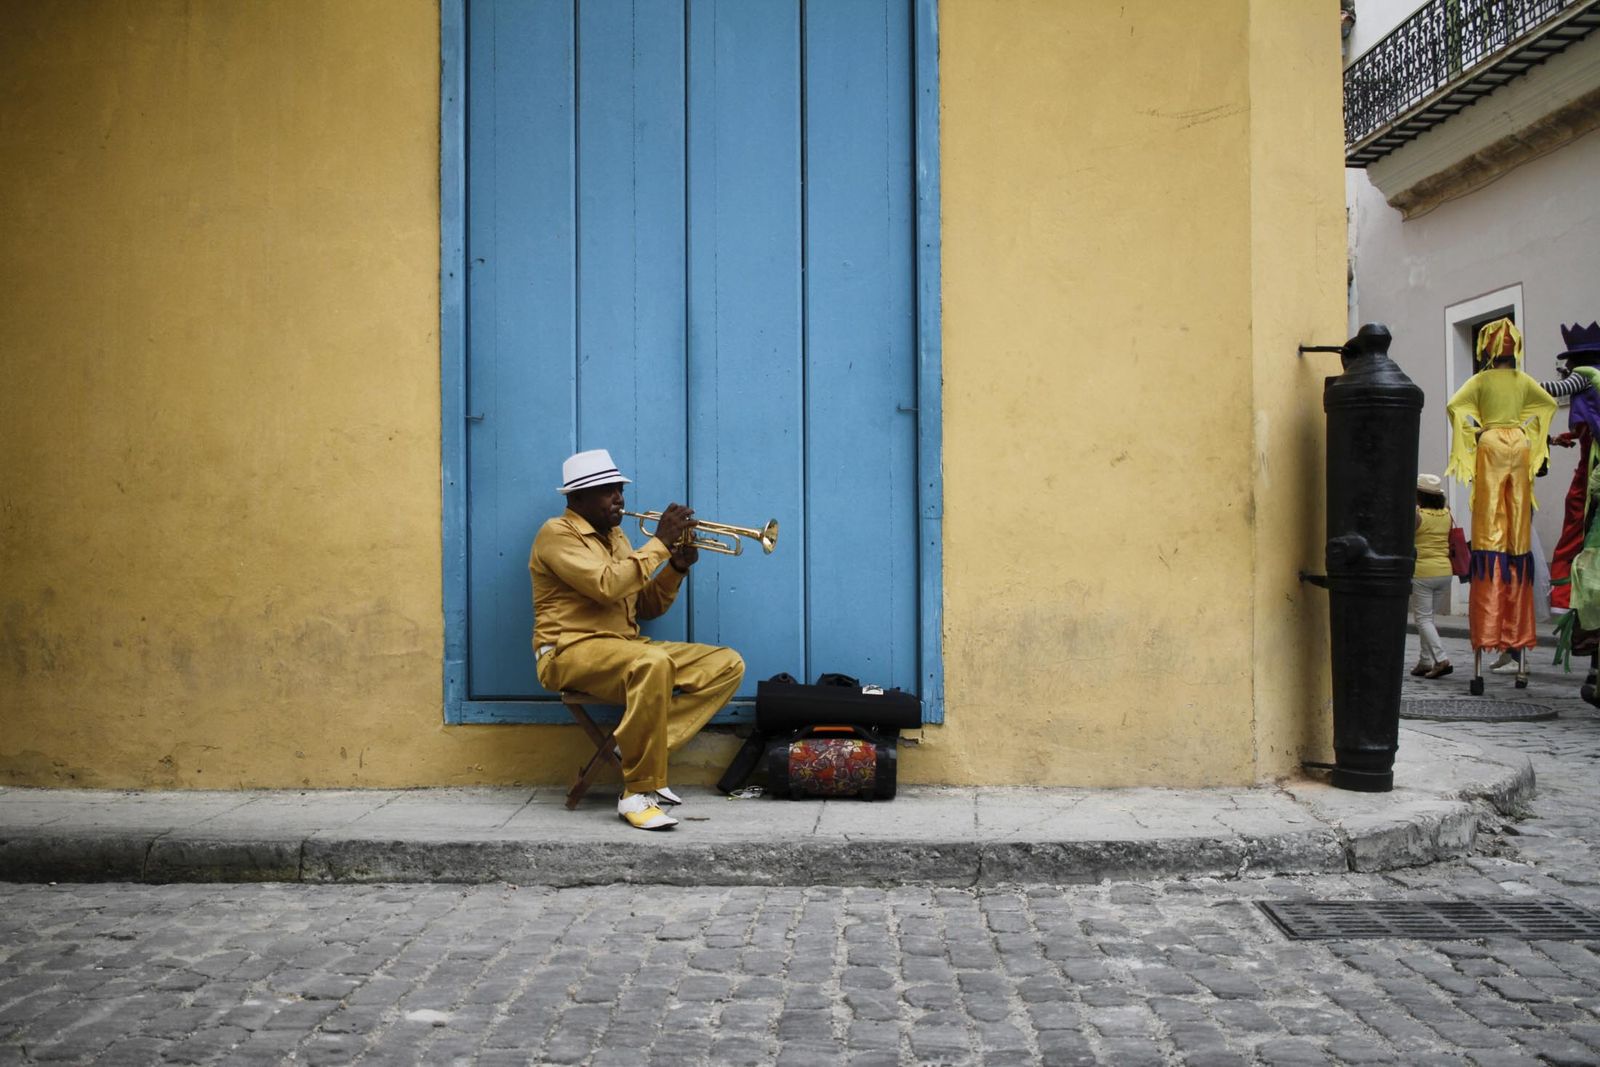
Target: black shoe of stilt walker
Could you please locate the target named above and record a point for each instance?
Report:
(1475, 687)
(1522, 668)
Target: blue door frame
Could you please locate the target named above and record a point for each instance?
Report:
(459, 707)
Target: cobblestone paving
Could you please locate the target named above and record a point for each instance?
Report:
(1170, 972)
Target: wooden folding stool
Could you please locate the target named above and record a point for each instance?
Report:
(605, 751)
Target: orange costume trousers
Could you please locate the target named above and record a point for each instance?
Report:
(668, 690)
(1500, 612)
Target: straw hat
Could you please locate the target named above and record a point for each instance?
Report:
(584, 469)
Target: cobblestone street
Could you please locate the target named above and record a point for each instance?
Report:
(1171, 972)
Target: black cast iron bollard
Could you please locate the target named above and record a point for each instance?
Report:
(1374, 415)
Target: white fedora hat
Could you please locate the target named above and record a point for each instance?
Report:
(594, 467)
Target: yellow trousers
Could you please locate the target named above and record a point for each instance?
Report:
(1500, 609)
(641, 675)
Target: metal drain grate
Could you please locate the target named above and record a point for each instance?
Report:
(1473, 709)
(1433, 920)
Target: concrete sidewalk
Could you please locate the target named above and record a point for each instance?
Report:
(930, 836)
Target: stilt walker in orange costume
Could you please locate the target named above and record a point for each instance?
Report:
(1500, 424)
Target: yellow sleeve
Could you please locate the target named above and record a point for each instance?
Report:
(562, 549)
(660, 593)
(1462, 411)
(1538, 408)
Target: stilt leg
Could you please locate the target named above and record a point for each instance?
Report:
(1475, 687)
(1522, 668)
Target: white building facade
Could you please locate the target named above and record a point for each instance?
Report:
(1474, 193)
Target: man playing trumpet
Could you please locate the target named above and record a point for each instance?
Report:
(590, 589)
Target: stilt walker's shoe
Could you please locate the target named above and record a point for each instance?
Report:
(1440, 670)
(640, 812)
(668, 797)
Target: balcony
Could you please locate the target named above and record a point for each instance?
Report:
(1443, 58)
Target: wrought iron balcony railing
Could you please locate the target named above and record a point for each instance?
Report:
(1443, 57)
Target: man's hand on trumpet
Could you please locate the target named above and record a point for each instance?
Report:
(676, 520)
(685, 556)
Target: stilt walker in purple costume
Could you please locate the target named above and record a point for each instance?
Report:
(1582, 383)
(1583, 430)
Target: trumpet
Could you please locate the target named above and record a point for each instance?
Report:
(716, 531)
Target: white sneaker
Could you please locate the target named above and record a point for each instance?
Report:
(668, 797)
(1506, 664)
(641, 812)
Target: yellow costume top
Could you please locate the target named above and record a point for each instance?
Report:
(1433, 543)
(1504, 397)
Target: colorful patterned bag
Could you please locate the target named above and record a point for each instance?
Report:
(832, 761)
(851, 722)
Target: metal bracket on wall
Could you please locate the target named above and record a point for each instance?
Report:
(1320, 348)
(1318, 580)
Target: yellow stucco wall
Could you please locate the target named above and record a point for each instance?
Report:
(1297, 293)
(219, 504)
(220, 536)
(1140, 224)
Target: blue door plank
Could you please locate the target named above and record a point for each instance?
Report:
(521, 230)
(930, 426)
(861, 389)
(631, 395)
(746, 377)
(452, 347)
(478, 457)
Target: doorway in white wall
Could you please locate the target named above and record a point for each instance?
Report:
(1461, 325)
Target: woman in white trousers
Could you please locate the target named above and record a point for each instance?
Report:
(1432, 575)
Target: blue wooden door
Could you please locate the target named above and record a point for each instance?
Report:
(691, 239)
